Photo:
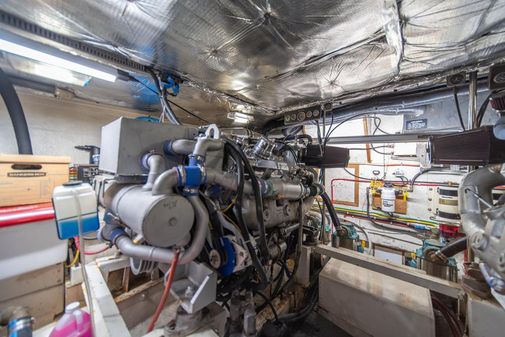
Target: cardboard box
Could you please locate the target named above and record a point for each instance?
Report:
(28, 179)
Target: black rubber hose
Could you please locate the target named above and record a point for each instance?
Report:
(306, 310)
(16, 114)
(413, 181)
(263, 246)
(240, 219)
(331, 210)
(454, 247)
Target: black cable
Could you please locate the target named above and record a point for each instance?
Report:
(292, 133)
(342, 122)
(231, 150)
(377, 125)
(354, 175)
(269, 303)
(375, 223)
(307, 309)
(458, 109)
(16, 114)
(297, 137)
(320, 139)
(365, 149)
(279, 287)
(374, 149)
(404, 180)
(413, 181)
(171, 102)
(263, 246)
(449, 316)
(165, 105)
(482, 110)
(331, 125)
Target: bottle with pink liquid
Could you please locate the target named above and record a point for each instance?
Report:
(74, 323)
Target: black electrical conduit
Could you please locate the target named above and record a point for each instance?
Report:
(16, 114)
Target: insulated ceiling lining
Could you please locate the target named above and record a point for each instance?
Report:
(281, 54)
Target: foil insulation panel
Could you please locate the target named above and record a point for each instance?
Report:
(270, 56)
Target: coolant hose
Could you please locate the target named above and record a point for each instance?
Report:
(16, 114)
(331, 210)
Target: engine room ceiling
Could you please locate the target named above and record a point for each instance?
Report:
(277, 55)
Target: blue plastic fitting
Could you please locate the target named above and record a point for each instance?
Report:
(116, 232)
(193, 176)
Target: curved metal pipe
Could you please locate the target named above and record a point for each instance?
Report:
(16, 114)
(182, 146)
(271, 188)
(156, 166)
(165, 255)
(165, 182)
(205, 144)
(477, 183)
(227, 181)
(187, 146)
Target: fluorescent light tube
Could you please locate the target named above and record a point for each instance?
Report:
(39, 52)
(45, 70)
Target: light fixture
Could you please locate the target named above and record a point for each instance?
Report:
(240, 117)
(45, 70)
(26, 48)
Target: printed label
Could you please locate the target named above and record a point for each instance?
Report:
(26, 174)
(417, 124)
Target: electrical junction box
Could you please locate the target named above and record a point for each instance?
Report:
(125, 141)
(28, 179)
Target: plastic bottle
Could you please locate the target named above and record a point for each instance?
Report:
(388, 196)
(74, 323)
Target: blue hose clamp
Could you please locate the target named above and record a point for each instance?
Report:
(227, 269)
(116, 232)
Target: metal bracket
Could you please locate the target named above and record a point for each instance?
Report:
(195, 286)
(404, 273)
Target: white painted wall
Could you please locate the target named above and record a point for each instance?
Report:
(418, 200)
(56, 125)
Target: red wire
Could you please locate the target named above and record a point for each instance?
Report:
(165, 294)
(78, 245)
